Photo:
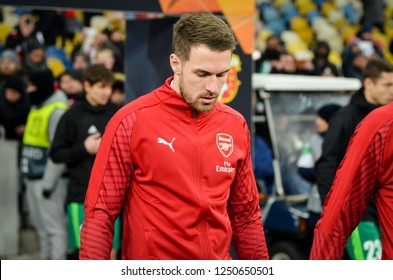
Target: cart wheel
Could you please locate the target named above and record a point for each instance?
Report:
(284, 250)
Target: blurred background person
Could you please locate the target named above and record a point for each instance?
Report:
(311, 152)
(9, 65)
(377, 90)
(80, 61)
(45, 196)
(322, 65)
(76, 143)
(118, 96)
(14, 108)
(24, 32)
(35, 59)
(71, 83)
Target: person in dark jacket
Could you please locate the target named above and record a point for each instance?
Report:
(24, 32)
(76, 143)
(377, 90)
(45, 213)
(14, 107)
(71, 83)
(322, 65)
(9, 66)
(35, 58)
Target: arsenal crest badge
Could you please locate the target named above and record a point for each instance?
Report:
(224, 144)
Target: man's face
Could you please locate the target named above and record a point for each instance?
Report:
(80, 63)
(320, 125)
(98, 94)
(12, 95)
(379, 92)
(26, 24)
(69, 85)
(201, 78)
(106, 58)
(37, 56)
(7, 66)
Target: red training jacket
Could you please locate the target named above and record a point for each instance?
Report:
(186, 184)
(366, 170)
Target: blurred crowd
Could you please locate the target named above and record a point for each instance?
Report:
(325, 38)
(51, 60)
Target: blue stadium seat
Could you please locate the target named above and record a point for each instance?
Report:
(270, 14)
(60, 54)
(276, 27)
(351, 14)
(320, 2)
(311, 15)
(289, 11)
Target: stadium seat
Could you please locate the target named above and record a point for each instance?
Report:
(278, 3)
(341, 3)
(10, 18)
(298, 23)
(270, 14)
(320, 2)
(5, 30)
(335, 58)
(351, 14)
(326, 32)
(289, 36)
(311, 15)
(276, 27)
(348, 32)
(60, 54)
(326, 8)
(260, 42)
(288, 11)
(304, 6)
(56, 66)
(335, 16)
(318, 23)
(293, 47)
(306, 35)
(336, 43)
(99, 22)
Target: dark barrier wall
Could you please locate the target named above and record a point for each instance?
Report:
(148, 47)
(120, 5)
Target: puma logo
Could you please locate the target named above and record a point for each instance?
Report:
(162, 141)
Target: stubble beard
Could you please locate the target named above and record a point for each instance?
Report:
(193, 103)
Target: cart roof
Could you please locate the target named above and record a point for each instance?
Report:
(281, 82)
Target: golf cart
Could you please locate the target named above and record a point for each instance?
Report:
(289, 104)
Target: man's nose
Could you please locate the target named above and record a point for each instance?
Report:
(212, 84)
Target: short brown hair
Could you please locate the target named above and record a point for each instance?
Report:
(98, 73)
(201, 29)
(375, 67)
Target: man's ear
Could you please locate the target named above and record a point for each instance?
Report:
(86, 85)
(367, 82)
(175, 63)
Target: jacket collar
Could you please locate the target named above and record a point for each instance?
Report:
(174, 99)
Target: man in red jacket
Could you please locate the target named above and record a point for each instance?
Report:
(178, 163)
(366, 170)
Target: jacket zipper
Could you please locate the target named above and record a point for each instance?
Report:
(201, 194)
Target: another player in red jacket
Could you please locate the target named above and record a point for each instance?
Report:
(365, 171)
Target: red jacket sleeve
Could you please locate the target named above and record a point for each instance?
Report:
(110, 178)
(353, 186)
(245, 215)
